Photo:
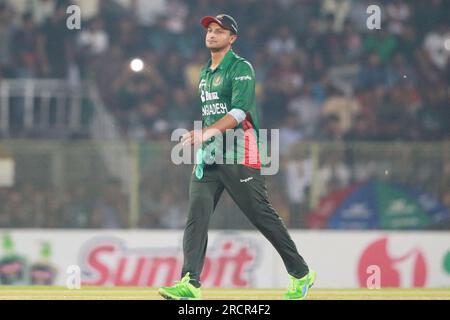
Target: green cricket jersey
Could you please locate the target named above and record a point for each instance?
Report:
(231, 86)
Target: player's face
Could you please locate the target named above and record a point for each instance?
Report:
(218, 38)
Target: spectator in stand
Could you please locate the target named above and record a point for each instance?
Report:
(435, 45)
(42, 9)
(108, 66)
(434, 115)
(290, 133)
(192, 70)
(408, 43)
(94, 40)
(6, 36)
(307, 111)
(398, 13)
(132, 89)
(344, 108)
(57, 42)
(391, 124)
(151, 117)
(381, 42)
(93, 47)
(129, 36)
(172, 69)
(332, 40)
(29, 53)
(181, 113)
(371, 73)
(352, 42)
(400, 71)
(332, 131)
(283, 42)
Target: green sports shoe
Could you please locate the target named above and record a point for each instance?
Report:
(298, 288)
(182, 290)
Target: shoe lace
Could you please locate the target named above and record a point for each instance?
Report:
(184, 281)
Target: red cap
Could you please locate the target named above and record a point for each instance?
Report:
(223, 20)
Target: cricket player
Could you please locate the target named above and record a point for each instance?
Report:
(227, 95)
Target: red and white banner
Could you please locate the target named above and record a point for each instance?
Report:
(234, 259)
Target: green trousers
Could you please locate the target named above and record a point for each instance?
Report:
(247, 188)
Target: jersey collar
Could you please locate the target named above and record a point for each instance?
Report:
(224, 63)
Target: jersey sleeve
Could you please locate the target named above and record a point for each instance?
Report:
(243, 86)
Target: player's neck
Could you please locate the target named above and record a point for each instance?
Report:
(217, 57)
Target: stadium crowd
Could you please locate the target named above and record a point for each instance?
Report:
(322, 75)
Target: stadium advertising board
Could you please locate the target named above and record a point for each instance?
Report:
(234, 259)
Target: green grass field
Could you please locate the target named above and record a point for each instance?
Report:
(131, 293)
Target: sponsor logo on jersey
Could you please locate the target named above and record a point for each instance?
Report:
(243, 78)
(208, 96)
(217, 80)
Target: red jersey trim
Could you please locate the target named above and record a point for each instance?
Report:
(251, 151)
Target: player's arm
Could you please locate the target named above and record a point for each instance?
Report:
(229, 121)
(198, 136)
(243, 93)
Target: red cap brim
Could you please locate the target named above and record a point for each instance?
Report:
(205, 21)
